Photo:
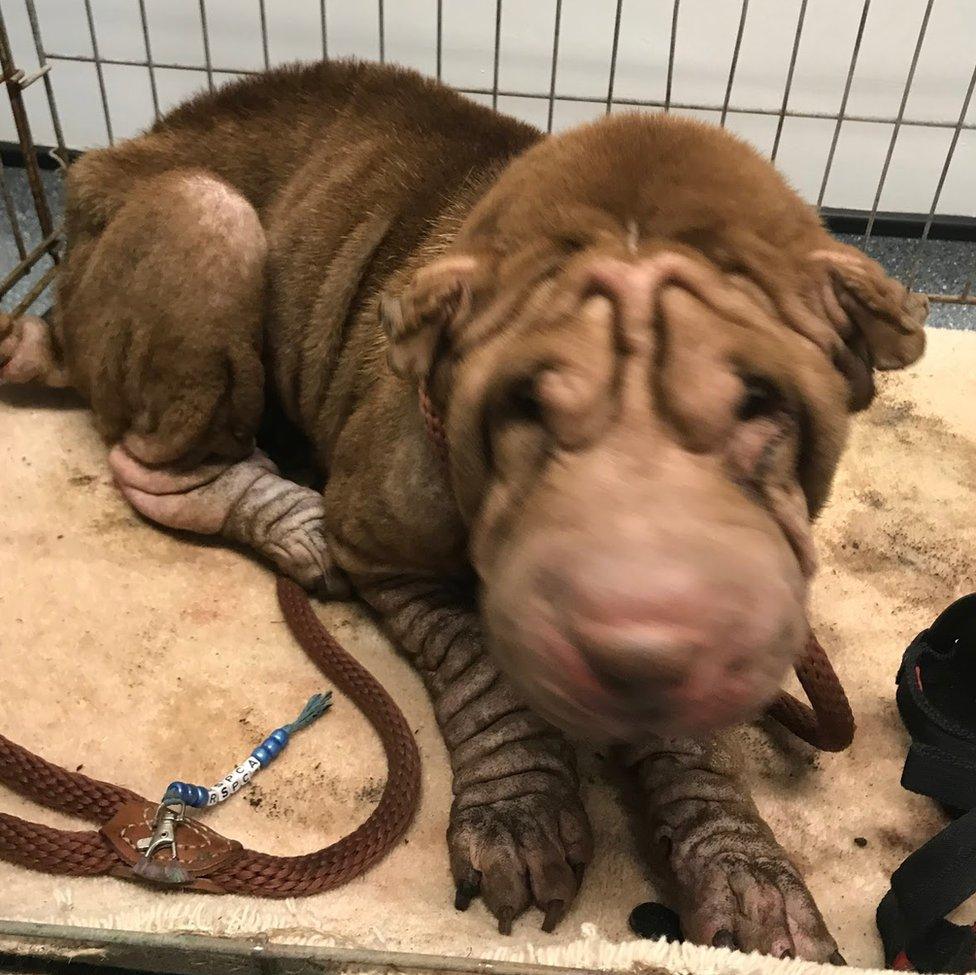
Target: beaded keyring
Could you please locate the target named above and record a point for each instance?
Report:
(199, 796)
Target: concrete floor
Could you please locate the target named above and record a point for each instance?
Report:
(26, 217)
(943, 266)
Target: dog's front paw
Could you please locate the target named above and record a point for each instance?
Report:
(531, 849)
(299, 547)
(247, 502)
(753, 899)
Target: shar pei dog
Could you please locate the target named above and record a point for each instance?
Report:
(571, 403)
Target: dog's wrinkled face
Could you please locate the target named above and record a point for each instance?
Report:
(638, 441)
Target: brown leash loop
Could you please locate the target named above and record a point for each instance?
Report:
(826, 723)
(218, 865)
(213, 863)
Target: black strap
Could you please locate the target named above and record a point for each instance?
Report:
(937, 878)
(941, 763)
(946, 947)
(930, 771)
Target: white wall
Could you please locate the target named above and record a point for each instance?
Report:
(706, 33)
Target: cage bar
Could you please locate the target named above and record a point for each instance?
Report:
(150, 67)
(613, 55)
(48, 84)
(735, 61)
(953, 142)
(440, 39)
(555, 62)
(99, 73)
(858, 38)
(898, 122)
(27, 80)
(24, 138)
(772, 112)
(28, 260)
(674, 40)
(16, 81)
(205, 34)
(498, 46)
(789, 79)
(24, 267)
(323, 20)
(35, 292)
(382, 30)
(263, 15)
(965, 297)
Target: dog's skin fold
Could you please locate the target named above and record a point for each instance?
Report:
(643, 347)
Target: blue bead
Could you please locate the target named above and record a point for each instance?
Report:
(262, 755)
(274, 744)
(192, 795)
(281, 736)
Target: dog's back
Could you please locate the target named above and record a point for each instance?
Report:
(258, 132)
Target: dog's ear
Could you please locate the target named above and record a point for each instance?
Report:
(415, 319)
(879, 321)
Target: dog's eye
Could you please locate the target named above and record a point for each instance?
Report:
(760, 398)
(522, 403)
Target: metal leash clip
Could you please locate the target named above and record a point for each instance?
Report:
(169, 813)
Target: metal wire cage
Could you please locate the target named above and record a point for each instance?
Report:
(36, 261)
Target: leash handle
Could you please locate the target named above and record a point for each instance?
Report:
(218, 865)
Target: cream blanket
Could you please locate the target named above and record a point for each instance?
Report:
(143, 656)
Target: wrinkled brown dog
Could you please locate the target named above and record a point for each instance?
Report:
(643, 349)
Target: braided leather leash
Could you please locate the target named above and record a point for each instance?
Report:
(826, 723)
(221, 866)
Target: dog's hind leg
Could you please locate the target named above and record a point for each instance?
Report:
(160, 311)
(28, 355)
(160, 317)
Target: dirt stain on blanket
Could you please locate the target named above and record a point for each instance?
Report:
(887, 540)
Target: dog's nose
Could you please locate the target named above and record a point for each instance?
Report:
(691, 635)
(642, 663)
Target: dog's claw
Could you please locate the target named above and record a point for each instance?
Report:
(837, 959)
(505, 917)
(554, 914)
(724, 939)
(752, 898)
(517, 853)
(462, 897)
